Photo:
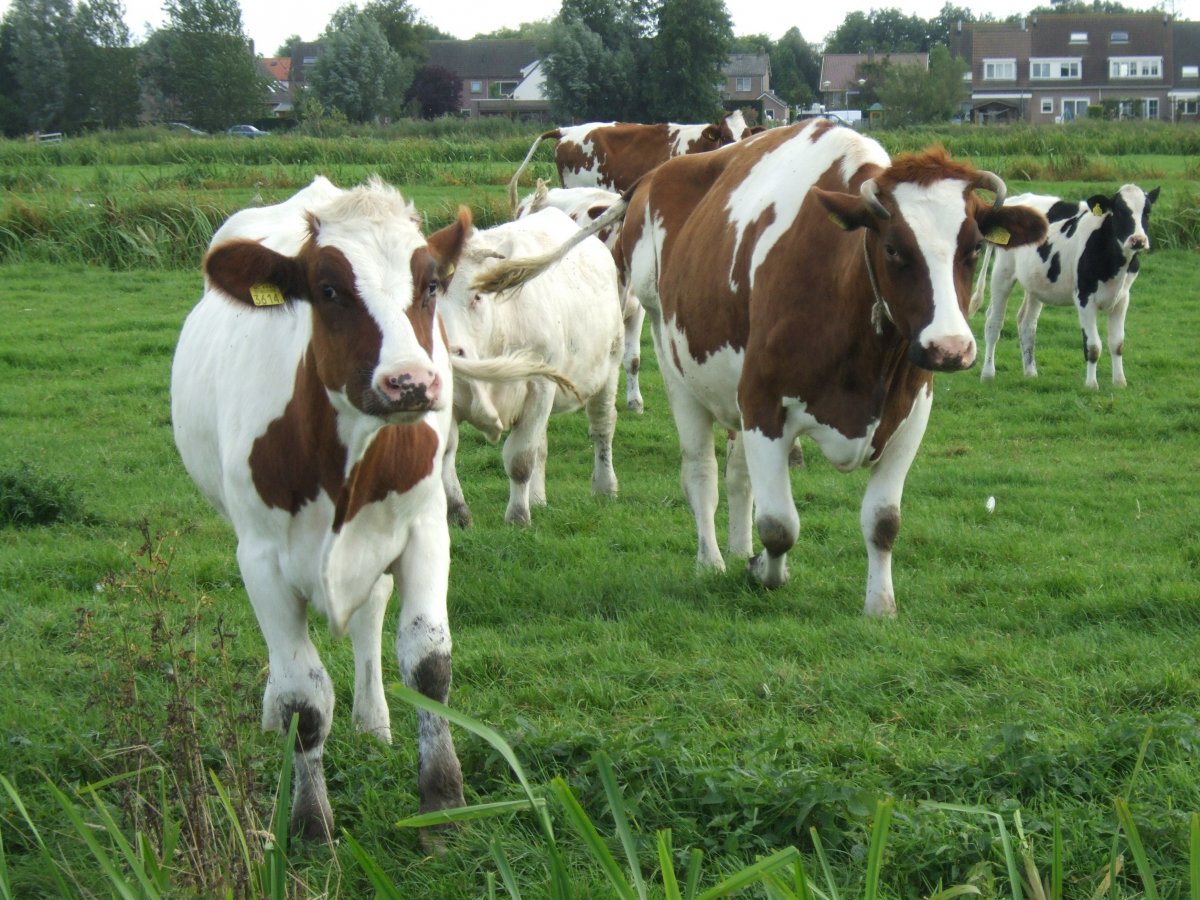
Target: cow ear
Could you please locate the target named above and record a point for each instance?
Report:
(255, 275)
(1152, 196)
(712, 133)
(1012, 226)
(446, 246)
(847, 211)
(757, 129)
(1099, 204)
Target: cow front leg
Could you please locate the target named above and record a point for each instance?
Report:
(880, 514)
(1116, 339)
(738, 498)
(366, 636)
(776, 518)
(1091, 343)
(457, 511)
(297, 684)
(521, 449)
(634, 315)
(602, 424)
(1027, 319)
(1002, 285)
(423, 650)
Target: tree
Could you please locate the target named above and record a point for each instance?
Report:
(360, 74)
(288, 45)
(688, 53)
(536, 31)
(912, 95)
(12, 117)
(405, 31)
(201, 66)
(435, 91)
(103, 77)
(40, 37)
(795, 68)
(881, 30)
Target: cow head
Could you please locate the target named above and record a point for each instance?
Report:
(371, 281)
(1130, 211)
(923, 229)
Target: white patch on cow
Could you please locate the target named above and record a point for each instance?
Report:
(844, 453)
(782, 179)
(680, 136)
(936, 213)
(589, 175)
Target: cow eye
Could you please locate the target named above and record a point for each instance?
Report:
(330, 294)
(891, 252)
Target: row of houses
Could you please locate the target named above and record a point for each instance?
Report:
(1051, 68)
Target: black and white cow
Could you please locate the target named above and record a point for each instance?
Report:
(1090, 258)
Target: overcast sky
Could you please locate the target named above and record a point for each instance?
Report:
(269, 22)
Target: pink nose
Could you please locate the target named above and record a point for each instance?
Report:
(952, 354)
(1139, 242)
(411, 388)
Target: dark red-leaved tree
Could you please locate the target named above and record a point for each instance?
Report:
(435, 90)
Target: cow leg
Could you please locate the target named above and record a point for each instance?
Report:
(632, 362)
(1027, 319)
(537, 481)
(741, 506)
(1091, 343)
(457, 511)
(297, 684)
(602, 423)
(880, 514)
(423, 651)
(521, 449)
(366, 632)
(1002, 285)
(775, 512)
(1116, 338)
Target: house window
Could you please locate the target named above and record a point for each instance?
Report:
(1119, 37)
(1079, 37)
(741, 84)
(1054, 69)
(1074, 108)
(1125, 109)
(476, 87)
(1191, 72)
(1047, 105)
(1151, 107)
(1135, 67)
(999, 70)
(498, 90)
(1188, 107)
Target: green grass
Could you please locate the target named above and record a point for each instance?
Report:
(1042, 665)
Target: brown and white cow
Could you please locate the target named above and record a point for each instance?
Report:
(774, 321)
(311, 398)
(613, 155)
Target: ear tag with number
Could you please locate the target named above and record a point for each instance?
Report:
(1097, 211)
(999, 236)
(266, 295)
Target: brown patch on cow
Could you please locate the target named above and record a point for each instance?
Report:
(235, 267)
(926, 167)
(621, 153)
(819, 128)
(299, 455)
(400, 457)
(887, 527)
(347, 341)
(423, 307)
(1120, 351)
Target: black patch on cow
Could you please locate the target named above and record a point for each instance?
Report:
(776, 536)
(1055, 269)
(1069, 226)
(432, 676)
(1044, 249)
(887, 526)
(1063, 209)
(1135, 264)
(310, 731)
(1101, 260)
(1091, 354)
(1122, 219)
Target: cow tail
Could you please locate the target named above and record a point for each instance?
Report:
(519, 366)
(512, 184)
(981, 281)
(512, 273)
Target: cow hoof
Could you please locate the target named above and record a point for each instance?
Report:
(796, 457)
(313, 823)
(1091, 385)
(881, 608)
(433, 839)
(517, 517)
(459, 515)
(985, 375)
(771, 572)
(636, 406)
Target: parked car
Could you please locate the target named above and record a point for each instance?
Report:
(246, 131)
(184, 126)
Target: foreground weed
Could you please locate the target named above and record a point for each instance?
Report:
(30, 497)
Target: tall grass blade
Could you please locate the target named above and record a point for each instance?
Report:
(825, 869)
(1194, 859)
(115, 879)
(469, 813)
(1137, 848)
(616, 804)
(959, 890)
(666, 865)
(1010, 857)
(276, 853)
(133, 858)
(384, 888)
(235, 828)
(595, 845)
(692, 884)
(43, 850)
(1056, 862)
(1141, 758)
(883, 818)
(505, 870)
(752, 874)
(5, 886)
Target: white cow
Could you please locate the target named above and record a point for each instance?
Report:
(584, 205)
(311, 401)
(569, 317)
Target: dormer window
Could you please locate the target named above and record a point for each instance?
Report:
(1079, 37)
(1119, 37)
(1191, 72)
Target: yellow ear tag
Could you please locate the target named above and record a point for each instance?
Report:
(450, 270)
(998, 235)
(266, 295)
(839, 221)
(1097, 211)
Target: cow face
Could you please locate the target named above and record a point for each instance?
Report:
(1130, 211)
(924, 228)
(372, 282)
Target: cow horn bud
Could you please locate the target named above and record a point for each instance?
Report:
(990, 181)
(870, 196)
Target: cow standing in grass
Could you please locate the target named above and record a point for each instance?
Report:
(772, 320)
(571, 318)
(310, 397)
(1090, 259)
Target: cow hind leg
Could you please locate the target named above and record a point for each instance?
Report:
(1002, 285)
(602, 423)
(366, 632)
(880, 513)
(741, 505)
(297, 685)
(423, 650)
(632, 361)
(1027, 319)
(457, 510)
(521, 450)
(698, 473)
(776, 518)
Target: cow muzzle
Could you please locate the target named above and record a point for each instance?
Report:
(409, 390)
(1139, 242)
(949, 354)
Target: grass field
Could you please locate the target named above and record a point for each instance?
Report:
(1043, 663)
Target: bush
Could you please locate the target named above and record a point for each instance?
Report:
(29, 498)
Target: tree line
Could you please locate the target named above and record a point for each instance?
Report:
(72, 66)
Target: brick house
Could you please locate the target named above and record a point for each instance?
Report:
(843, 75)
(748, 83)
(1059, 68)
(498, 77)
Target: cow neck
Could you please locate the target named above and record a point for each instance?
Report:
(880, 308)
